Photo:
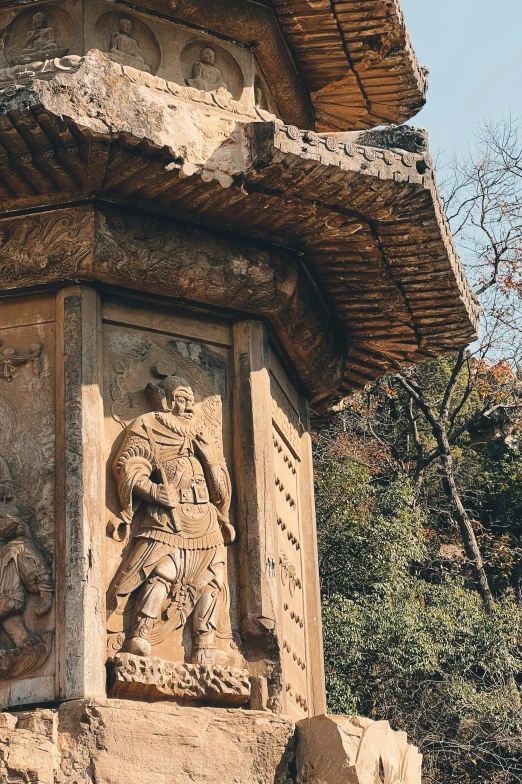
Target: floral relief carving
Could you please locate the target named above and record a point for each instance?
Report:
(43, 246)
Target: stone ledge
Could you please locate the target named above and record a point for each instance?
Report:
(119, 741)
(153, 679)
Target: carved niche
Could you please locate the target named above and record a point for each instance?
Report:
(210, 68)
(36, 36)
(170, 589)
(128, 41)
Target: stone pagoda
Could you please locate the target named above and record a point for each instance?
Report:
(204, 246)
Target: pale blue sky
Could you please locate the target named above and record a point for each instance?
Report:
(474, 51)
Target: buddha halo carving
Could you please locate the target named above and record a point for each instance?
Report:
(174, 490)
(36, 37)
(24, 571)
(124, 47)
(206, 75)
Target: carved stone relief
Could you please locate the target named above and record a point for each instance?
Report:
(37, 36)
(10, 359)
(154, 679)
(41, 69)
(193, 264)
(26, 503)
(179, 261)
(212, 69)
(24, 570)
(169, 596)
(128, 41)
(52, 246)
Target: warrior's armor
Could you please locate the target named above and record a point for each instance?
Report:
(176, 564)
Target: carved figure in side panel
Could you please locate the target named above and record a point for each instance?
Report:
(23, 571)
(124, 47)
(174, 488)
(40, 41)
(205, 74)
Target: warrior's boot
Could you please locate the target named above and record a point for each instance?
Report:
(148, 609)
(204, 649)
(206, 653)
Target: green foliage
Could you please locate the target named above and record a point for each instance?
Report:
(419, 652)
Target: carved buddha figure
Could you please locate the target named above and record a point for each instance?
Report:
(175, 487)
(40, 41)
(124, 48)
(205, 75)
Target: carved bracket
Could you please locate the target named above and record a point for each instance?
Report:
(9, 361)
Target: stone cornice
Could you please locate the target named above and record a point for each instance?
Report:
(366, 220)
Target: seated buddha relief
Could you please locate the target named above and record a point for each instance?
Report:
(206, 75)
(124, 47)
(40, 40)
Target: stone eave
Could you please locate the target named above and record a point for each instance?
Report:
(366, 220)
(356, 59)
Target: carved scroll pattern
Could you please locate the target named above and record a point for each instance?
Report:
(44, 247)
(193, 264)
(181, 262)
(287, 458)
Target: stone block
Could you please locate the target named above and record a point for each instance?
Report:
(118, 741)
(354, 750)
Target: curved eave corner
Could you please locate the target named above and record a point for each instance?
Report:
(356, 59)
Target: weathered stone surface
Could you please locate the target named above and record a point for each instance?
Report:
(354, 750)
(118, 742)
(28, 751)
(153, 679)
(115, 742)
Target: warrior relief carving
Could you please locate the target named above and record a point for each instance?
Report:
(174, 490)
(24, 571)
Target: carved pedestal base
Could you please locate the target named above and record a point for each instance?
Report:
(153, 680)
